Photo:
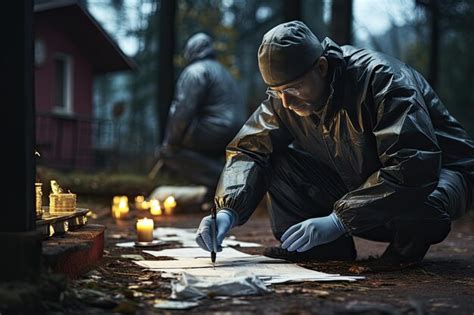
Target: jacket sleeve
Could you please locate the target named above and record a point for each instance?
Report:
(190, 91)
(246, 175)
(410, 161)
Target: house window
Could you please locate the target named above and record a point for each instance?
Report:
(63, 84)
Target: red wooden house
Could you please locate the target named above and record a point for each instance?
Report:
(70, 49)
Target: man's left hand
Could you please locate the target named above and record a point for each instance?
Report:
(312, 232)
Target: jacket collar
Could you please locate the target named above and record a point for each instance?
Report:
(337, 65)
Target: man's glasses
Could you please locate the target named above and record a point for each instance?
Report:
(293, 91)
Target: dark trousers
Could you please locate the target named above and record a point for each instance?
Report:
(302, 188)
(195, 167)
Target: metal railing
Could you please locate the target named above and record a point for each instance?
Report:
(70, 142)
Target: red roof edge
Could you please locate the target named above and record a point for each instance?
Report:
(129, 63)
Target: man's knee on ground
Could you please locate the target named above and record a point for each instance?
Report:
(437, 231)
(425, 231)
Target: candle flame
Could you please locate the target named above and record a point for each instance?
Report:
(169, 204)
(155, 208)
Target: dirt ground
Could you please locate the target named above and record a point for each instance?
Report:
(442, 284)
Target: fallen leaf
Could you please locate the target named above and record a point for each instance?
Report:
(358, 269)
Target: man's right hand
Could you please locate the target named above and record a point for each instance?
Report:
(224, 219)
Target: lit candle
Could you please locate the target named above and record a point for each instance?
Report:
(139, 202)
(145, 205)
(116, 200)
(145, 230)
(155, 208)
(120, 207)
(169, 204)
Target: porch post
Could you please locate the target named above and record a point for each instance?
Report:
(20, 244)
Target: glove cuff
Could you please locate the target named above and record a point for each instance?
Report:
(231, 214)
(338, 223)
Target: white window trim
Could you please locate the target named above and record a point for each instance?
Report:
(68, 109)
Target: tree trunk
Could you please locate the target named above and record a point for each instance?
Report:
(432, 7)
(434, 49)
(291, 10)
(166, 16)
(341, 21)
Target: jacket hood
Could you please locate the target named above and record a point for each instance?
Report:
(199, 46)
(333, 53)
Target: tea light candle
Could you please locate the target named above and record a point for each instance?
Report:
(146, 205)
(155, 208)
(169, 204)
(121, 209)
(116, 200)
(145, 230)
(139, 202)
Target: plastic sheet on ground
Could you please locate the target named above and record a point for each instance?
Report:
(194, 287)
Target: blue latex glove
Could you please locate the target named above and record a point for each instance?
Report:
(225, 221)
(312, 232)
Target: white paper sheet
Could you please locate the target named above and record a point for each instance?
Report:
(186, 237)
(175, 305)
(230, 262)
(267, 269)
(132, 244)
(205, 262)
(196, 252)
(126, 244)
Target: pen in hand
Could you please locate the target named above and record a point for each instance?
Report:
(214, 236)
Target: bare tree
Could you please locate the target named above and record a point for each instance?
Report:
(292, 10)
(167, 29)
(432, 6)
(341, 21)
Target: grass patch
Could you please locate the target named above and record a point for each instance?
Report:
(104, 184)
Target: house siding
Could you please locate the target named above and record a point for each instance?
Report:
(63, 140)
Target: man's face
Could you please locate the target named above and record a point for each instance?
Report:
(305, 95)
